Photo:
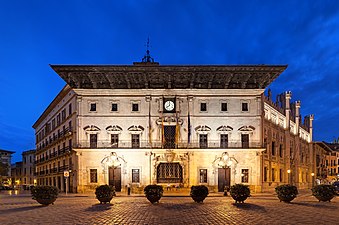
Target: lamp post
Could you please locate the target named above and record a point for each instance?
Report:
(289, 176)
(312, 174)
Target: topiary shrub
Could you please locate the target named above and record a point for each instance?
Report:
(45, 195)
(153, 193)
(199, 193)
(324, 192)
(240, 192)
(286, 192)
(104, 193)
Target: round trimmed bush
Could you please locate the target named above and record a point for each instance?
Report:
(104, 193)
(286, 192)
(199, 193)
(324, 192)
(240, 192)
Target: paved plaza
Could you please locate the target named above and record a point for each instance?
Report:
(217, 209)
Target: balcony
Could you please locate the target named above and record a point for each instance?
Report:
(160, 145)
(62, 134)
(53, 155)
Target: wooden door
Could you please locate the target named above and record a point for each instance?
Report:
(224, 178)
(115, 177)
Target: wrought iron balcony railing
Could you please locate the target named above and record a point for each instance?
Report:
(160, 145)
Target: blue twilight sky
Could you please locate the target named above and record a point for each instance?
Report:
(33, 34)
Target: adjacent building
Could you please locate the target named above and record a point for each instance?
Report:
(5, 160)
(28, 169)
(327, 161)
(171, 125)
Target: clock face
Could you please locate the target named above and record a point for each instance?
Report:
(169, 105)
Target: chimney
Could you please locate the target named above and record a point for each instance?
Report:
(288, 96)
(297, 115)
(311, 126)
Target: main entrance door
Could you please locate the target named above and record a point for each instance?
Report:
(169, 135)
(224, 178)
(114, 177)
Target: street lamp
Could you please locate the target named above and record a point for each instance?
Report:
(289, 176)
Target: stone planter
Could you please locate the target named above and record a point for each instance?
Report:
(104, 200)
(198, 199)
(46, 202)
(286, 198)
(239, 198)
(153, 198)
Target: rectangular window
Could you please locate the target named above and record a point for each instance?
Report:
(281, 178)
(135, 176)
(273, 174)
(94, 176)
(114, 140)
(58, 119)
(203, 175)
(281, 150)
(93, 107)
(203, 140)
(203, 107)
(265, 174)
(223, 106)
(70, 109)
(93, 140)
(245, 142)
(244, 175)
(63, 114)
(244, 106)
(273, 148)
(114, 107)
(223, 140)
(135, 107)
(135, 141)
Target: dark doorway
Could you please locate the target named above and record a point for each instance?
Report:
(224, 178)
(114, 178)
(169, 135)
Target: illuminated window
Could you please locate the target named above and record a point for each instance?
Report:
(244, 175)
(203, 175)
(135, 175)
(93, 176)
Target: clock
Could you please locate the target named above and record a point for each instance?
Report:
(169, 105)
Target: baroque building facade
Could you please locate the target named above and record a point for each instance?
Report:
(171, 125)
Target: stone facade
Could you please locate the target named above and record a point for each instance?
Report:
(28, 169)
(147, 124)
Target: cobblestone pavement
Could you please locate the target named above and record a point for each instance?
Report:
(80, 209)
